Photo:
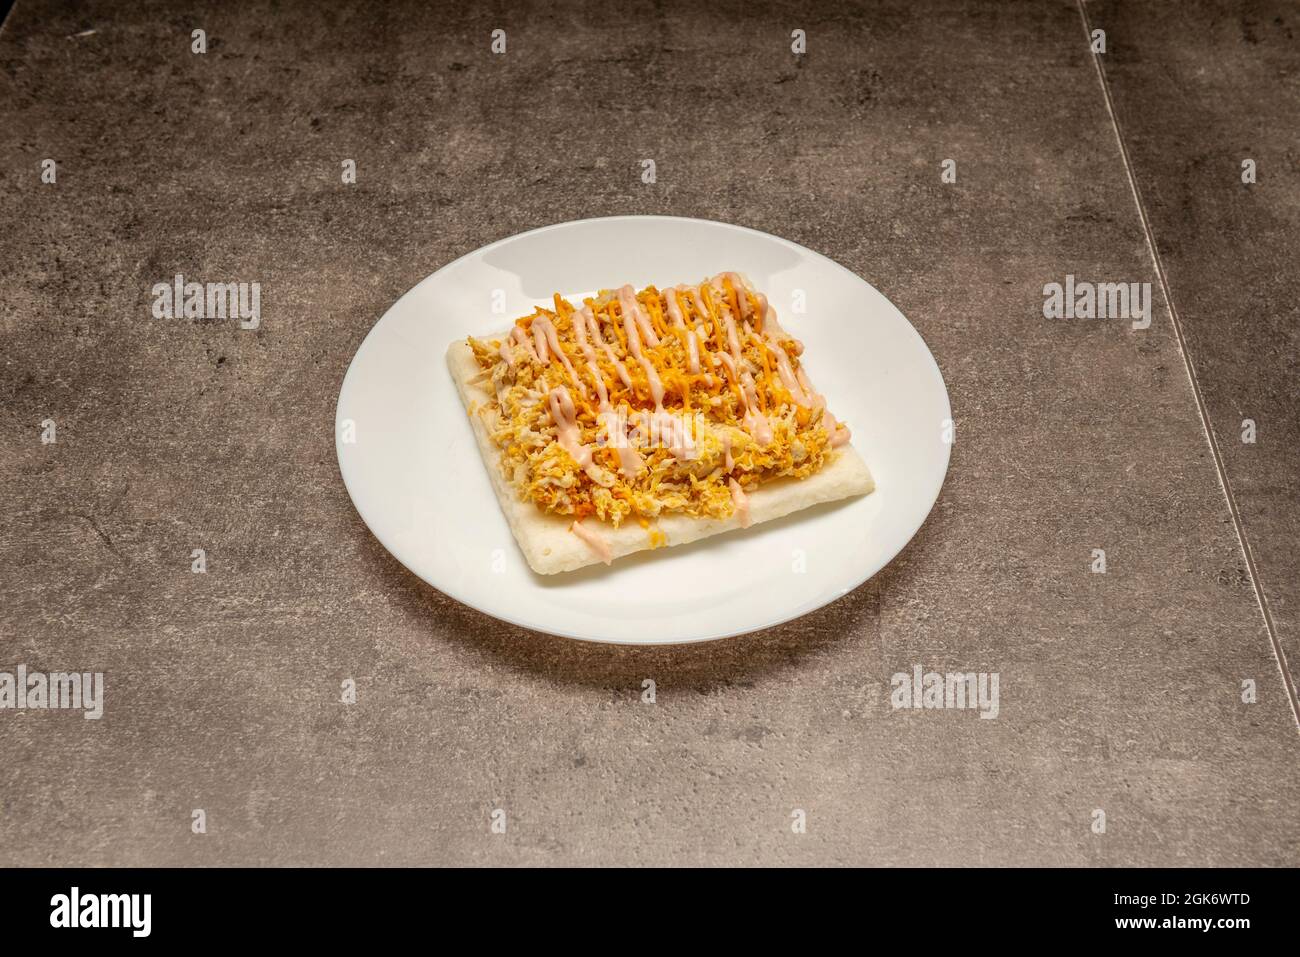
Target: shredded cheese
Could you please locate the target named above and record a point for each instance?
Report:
(598, 428)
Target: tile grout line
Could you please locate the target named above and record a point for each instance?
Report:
(1246, 549)
(4, 21)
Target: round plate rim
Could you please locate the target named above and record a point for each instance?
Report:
(798, 612)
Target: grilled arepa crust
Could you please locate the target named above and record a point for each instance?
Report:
(739, 434)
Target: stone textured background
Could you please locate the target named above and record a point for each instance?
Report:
(1118, 691)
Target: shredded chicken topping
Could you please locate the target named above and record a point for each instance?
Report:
(637, 404)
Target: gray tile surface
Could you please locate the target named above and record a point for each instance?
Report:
(1198, 89)
(1119, 691)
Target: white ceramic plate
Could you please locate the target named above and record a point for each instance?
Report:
(410, 463)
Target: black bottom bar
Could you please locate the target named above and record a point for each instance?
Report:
(948, 907)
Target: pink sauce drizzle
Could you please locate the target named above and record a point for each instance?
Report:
(634, 346)
(785, 372)
(629, 460)
(596, 334)
(742, 293)
(741, 500)
(566, 423)
(629, 305)
(595, 541)
(675, 314)
(838, 431)
(545, 335)
(755, 421)
(521, 338)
